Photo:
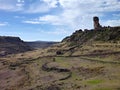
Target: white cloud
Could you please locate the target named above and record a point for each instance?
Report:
(10, 5)
(37, 8)
(3, 23)
(78, 13)
(68, 14)
(19, 16)
(51, 3)
(48, 19)
(112, 23)
(31, 22)
(45, 5)
(116, 15)
(51, 19)
(74, 13)
(59, 31)
(20, 1)
(19, 4)
(82, 6)
(41, 6)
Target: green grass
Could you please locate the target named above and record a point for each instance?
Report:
(74, 75)
(103, 89)
(59, 59)
(94, 82)
(62, 61)
(108, 59)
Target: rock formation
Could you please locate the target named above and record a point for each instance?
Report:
(97, 25)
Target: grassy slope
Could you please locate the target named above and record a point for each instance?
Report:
(86, 74)
(89, 72)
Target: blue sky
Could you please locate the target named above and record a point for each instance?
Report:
(53, 20)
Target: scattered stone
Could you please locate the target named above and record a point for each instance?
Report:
(59, 53)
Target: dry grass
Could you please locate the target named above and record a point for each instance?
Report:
(86, 75)
(25, 73)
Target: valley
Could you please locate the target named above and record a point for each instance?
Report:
(86, 60)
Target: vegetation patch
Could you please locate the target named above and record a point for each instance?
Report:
(103, 89)
(94, 82)
(62, 61)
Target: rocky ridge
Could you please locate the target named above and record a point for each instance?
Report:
(82, 42)
(12, 45)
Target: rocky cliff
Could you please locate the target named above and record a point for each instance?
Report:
(12, 45)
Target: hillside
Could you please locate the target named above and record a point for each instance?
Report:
(40, 44)
(86, 60)
(12, 45)
(106, 34)
(81, 42)
(86, 43)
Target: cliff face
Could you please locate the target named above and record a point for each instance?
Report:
(11, 45)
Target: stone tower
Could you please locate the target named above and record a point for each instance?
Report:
(97, 25)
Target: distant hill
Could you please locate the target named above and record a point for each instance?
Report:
(12, 45)
(40, 44)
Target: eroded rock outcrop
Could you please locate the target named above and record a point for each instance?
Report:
(97, 25)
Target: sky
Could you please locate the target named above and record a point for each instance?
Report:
(53, 20)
